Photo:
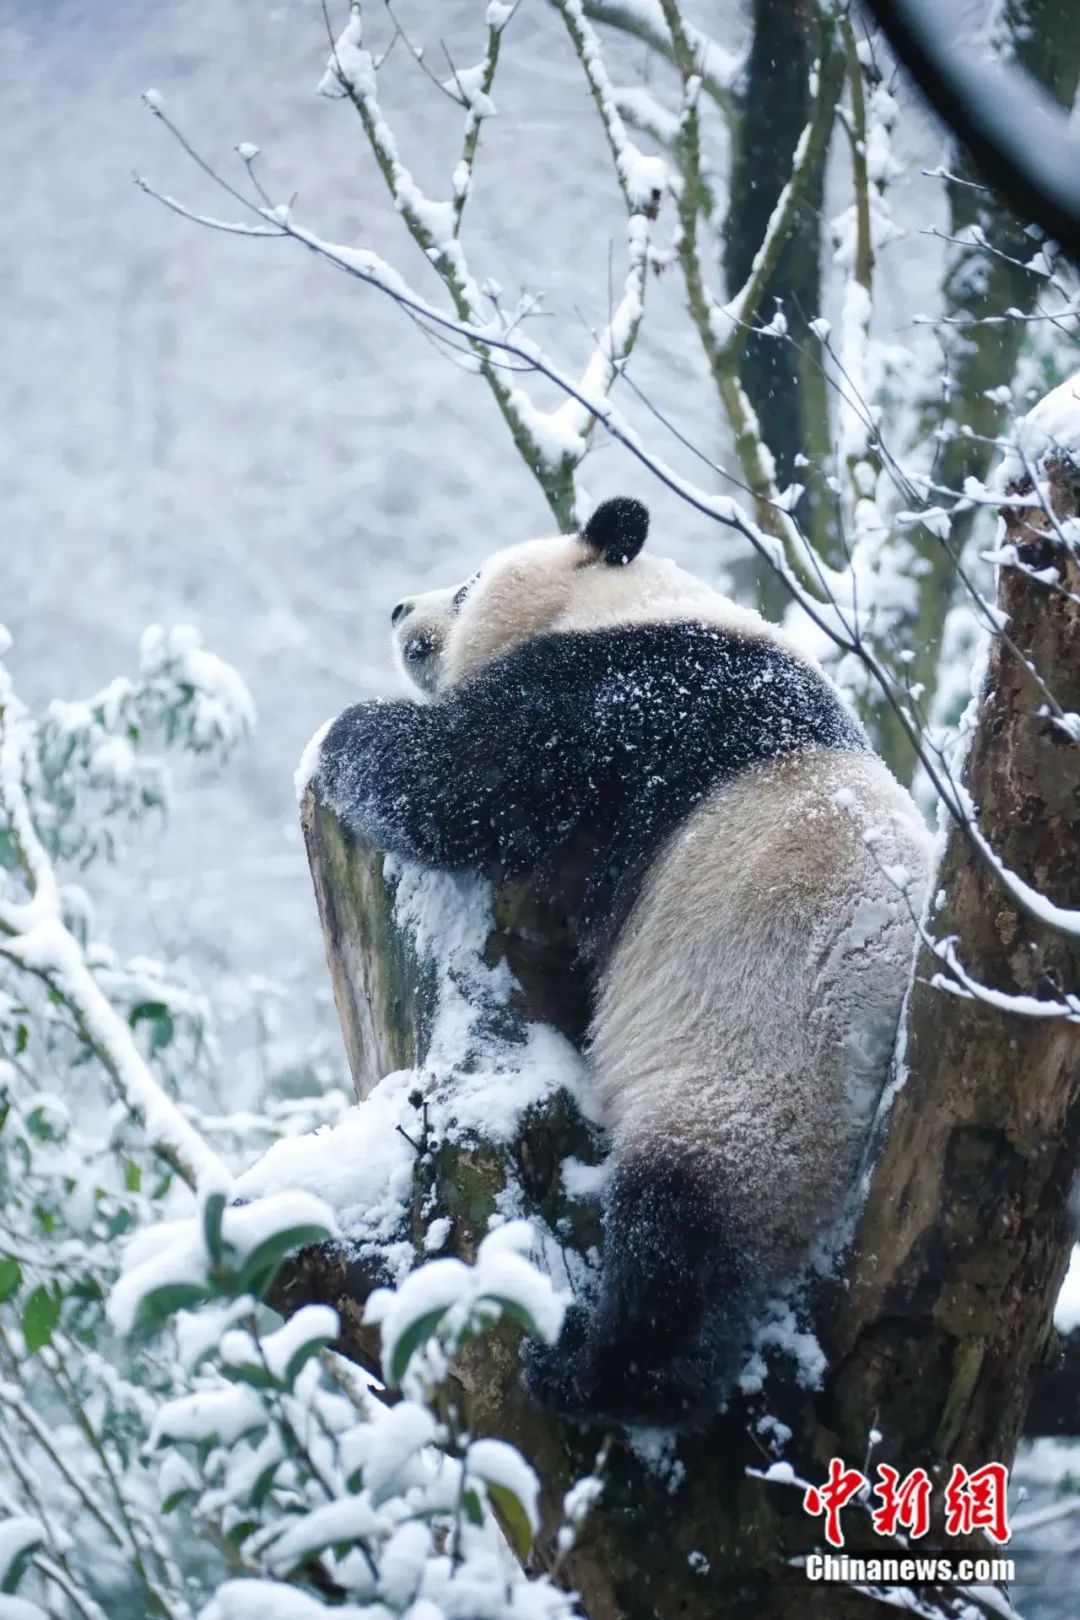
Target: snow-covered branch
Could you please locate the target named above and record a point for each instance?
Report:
(435, 228)
(646, 20)
(642, 179)
(474, 85)
(35, 937)
(692, 196)
(958, 982)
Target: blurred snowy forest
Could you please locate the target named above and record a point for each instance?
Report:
(224, 433)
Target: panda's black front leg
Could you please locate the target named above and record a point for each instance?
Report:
(501, 771)
(393, 770)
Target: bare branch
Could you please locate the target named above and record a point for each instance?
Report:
(644, 20)
(476, 102)
(642, 180)
(434, 226)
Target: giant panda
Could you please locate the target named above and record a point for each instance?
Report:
(746, 874)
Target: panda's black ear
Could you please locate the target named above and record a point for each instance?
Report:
(617, 529)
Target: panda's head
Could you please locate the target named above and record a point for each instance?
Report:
(585, 581)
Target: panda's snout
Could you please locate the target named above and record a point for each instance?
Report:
(401, 611)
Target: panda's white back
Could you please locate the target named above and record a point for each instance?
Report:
(750, 1008)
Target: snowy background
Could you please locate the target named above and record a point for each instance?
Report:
(204, 430)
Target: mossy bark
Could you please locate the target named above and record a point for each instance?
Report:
(935, 1333)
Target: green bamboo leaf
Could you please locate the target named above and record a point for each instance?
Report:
(416, 1334)
(212, 1215)
(10, 1277)
(39, 1316)
(511, 1308)
(303, 1354)
(160, 1019)
(160, 1303)
(513, 1518)
(21, 1548)
(258, 1270)
(248, 1372)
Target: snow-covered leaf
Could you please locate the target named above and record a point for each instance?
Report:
(20, 1537)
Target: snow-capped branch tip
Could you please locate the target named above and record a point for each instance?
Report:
(642, 179)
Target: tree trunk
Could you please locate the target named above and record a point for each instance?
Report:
(1044, 37)
(788, 393)
(935, 1334)
(967, 1230)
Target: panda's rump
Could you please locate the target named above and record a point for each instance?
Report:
(746, 1017)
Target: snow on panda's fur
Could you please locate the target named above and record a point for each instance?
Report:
(597, 710)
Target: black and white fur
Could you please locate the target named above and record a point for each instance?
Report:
(604, 713)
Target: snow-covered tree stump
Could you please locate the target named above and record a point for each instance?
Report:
(935, 1333)
(387, 995)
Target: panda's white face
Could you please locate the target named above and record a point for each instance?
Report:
(573, 582)
(421, 625)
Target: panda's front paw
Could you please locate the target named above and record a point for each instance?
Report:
(353, 736)
(364, 769)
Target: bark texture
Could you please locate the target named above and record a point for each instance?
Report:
(970, 1218)
(943, 1319)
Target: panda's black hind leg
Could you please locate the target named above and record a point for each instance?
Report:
(557, 1375)
(673, 1314)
